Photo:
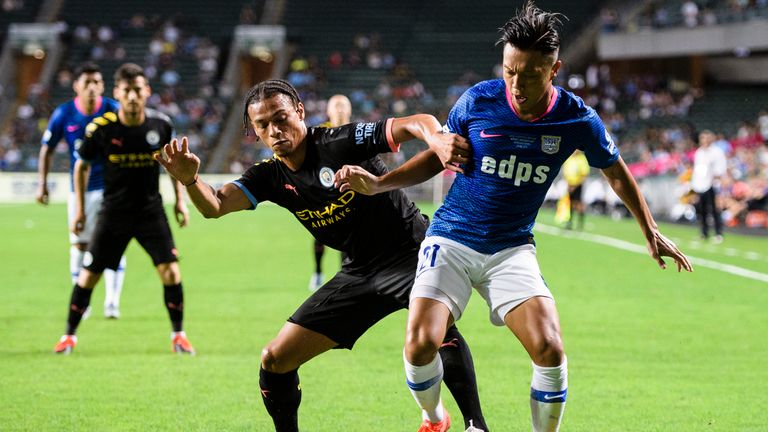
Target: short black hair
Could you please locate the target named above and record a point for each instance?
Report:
(533, 29)
(265, 90)
(128, 72)
(86, 68)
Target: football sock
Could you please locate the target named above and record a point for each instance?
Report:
(459, 377)
(75, 262)
(424, 382)
(549, 387)
(113, 279)
(174, 302)
(79, 302)
(281, 394)
(319, 250)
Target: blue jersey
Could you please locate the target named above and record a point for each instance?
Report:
(493, 206)
(69, 122)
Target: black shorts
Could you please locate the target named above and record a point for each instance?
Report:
(113, 232)
(348, 305)
(574, 193)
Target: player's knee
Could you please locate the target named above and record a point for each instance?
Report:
(549, 352)
(273, 361)
(170, 273)
(421, 345)
(88, 279)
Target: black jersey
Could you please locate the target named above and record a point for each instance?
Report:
(368, 229)
(131, 175)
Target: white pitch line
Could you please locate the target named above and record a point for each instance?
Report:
(625, 245)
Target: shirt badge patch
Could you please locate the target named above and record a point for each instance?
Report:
(153, 138)
(550, 144)
(326, 177)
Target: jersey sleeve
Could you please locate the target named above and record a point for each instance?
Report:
(597, 143)
(256, 182)
(54, 132)
(457, 118)
(357, 142)
(89, 147)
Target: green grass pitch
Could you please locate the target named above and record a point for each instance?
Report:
(649, 350)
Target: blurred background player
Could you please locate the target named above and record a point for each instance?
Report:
(68, 122)
(339, 113)
(133, 207)
(575, 172)
(709, 165)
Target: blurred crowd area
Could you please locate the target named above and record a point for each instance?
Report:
(182, 68)
(665, 14)
(630, 106)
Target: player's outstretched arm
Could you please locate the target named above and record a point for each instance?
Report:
(418, 169)
(624, 185)
(184, 165)
(80, 171)
(452, 149)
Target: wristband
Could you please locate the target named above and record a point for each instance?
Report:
(192, 182)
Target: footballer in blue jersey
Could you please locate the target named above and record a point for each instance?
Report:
(521, 129)
(68, 122)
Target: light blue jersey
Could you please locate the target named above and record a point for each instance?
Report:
(68, 122)
(493, 206)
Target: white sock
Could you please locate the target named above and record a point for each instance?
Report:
(424, 382)
(113, 279)
(75, 262)
(549, 387)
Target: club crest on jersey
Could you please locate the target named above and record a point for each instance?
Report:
(153, 138)
(550, 144)
(326, 177)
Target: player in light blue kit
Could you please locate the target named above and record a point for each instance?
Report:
(521, 129)
(68, 122)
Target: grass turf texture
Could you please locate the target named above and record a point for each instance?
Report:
(648, 350)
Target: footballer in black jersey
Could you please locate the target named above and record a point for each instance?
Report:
(380, 235)
(131, 174)
(125, 143)
(369, 229)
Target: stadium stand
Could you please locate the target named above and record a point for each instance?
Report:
(399, 58)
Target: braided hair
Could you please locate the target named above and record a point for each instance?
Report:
(265, 90)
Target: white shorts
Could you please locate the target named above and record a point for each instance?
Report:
(448, 270)
(93, 201)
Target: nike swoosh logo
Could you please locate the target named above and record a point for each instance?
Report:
(485, 135)
(557, 396)
(72, 128)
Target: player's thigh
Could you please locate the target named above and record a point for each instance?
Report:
(345, 308)
(444, 273)
(93, 200)
(110, 238)
(536, 324)
(509, 278)
(293, 346)
(154, 235)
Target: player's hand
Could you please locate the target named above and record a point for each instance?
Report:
(357, 179)
(452, 150)
(182, 213)
(182, 164)
(660, 246)
(78, 222)
(42, 194)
